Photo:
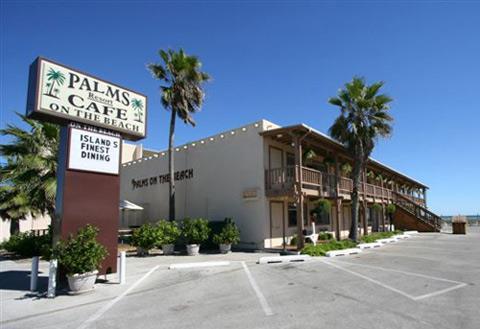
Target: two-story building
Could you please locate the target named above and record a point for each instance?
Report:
(268, 179)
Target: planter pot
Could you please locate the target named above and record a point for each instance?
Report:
(225, 248)
(80, 283)
(168, 249)
(193, 249)
(142, 252)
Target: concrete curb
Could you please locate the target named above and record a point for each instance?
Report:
(389, 240)
(343, 252)
(369, 245)
(198, 265)
(283, 259)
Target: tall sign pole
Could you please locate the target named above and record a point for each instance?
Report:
(95, 115)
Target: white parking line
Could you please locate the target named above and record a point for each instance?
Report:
(107, 306)
(386, 286)
(436, 293)
(198, 264)
(266, 309)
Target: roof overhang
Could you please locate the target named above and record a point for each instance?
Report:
(286, 135)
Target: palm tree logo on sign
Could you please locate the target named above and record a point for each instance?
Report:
(54, 78)
(137, 106)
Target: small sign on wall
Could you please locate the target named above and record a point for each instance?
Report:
(94, 152)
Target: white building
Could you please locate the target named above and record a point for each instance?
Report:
(252, 174)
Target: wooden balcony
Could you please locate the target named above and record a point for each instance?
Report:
(281, 182)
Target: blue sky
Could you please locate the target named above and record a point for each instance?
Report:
(280, 61)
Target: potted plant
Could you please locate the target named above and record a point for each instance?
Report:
(194, 232)
(168, 234)
(390, 211)
(228, 235)
(80, 256)
(145, 238)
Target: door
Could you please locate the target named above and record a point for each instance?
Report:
(277, 223)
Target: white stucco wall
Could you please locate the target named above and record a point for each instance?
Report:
(223, 169)
(26, 225)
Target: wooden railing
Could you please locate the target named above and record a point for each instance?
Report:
(279, 179)
(420, 212)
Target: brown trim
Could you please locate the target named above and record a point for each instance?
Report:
(270, 147)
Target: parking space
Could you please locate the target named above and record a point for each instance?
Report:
(429, 281)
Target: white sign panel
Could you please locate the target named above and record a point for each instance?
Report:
(90, 151)
(62, 94)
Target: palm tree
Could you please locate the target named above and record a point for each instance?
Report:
(55, 77)
(137, 106)
(182, 94)
(28, 179)
(363, 119)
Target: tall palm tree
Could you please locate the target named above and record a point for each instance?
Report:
(363, 119)
(182, 94)
(55, 77)
(28, 178)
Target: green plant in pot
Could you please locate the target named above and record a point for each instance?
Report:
(145, 238)
(194, 232)
(377, 210)
(322, 208)
(390, 211)
(230, 234)
(80, 256)
(168, 234)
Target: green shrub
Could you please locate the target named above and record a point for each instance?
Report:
(321, 249)
(195, 231)
(293, 240)
(146, 236)
(230, 233)
(378, 235)
(82, 253)
(28, 245)
(168, 232)
(391, 209)
(325, 236)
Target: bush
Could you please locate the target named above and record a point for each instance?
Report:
(168, 232)
(230, 233)
(29, 245)
(145, 237)
(82, 253)
(195, 231)
(321, 249)
(391, 209)
(378, 235)
(325, 236)
(293, 240)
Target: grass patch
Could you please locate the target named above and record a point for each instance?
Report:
(378, 235)
(321, 249)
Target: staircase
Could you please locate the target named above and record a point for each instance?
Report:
(412, 216)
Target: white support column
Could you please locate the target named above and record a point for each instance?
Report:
(34, 274)
(52, 278)
(122, 267)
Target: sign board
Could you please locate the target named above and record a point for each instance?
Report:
(94, 152)
(60, 94)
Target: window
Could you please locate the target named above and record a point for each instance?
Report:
(292, 214)
(290, 159)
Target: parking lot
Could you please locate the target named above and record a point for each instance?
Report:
(428, 281)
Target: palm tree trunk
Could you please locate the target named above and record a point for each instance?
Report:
(171, 167)
(51, 88)
(14, 226)
(357, 172)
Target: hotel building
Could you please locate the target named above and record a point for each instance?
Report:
(261, 176)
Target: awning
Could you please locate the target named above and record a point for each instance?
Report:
(127, 205)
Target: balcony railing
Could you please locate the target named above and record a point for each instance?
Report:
(282, 180)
